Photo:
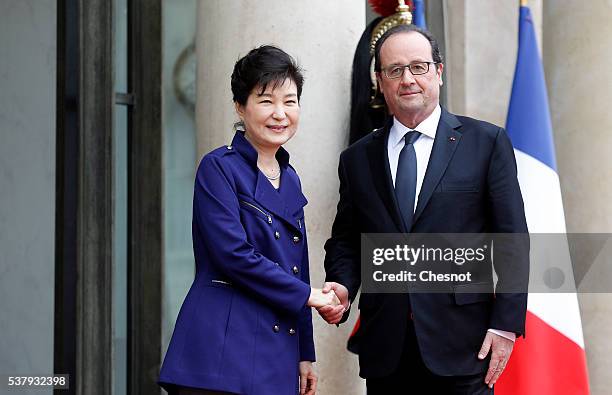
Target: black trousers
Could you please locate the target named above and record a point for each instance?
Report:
(412, 377)
(194, 391)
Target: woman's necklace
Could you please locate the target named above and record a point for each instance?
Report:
(273, 176)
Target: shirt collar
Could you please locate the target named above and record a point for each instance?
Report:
(428, 127)
(244, 148)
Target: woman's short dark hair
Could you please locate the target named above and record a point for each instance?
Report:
(435, 48)
(263, 66)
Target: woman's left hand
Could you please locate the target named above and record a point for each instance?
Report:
(308, 379)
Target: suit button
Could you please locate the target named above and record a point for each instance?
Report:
(295, 270)
(296, 239)
(277, 235)
(292, 331)
(276, 328)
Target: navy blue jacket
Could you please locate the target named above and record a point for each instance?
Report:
(244, 325)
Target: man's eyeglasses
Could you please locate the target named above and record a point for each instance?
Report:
(397, 71)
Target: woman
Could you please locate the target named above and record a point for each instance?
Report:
(245, 326)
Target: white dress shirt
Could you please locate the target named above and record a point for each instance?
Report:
(422, 148)
(422, 145)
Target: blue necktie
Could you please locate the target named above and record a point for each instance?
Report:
(406, 178)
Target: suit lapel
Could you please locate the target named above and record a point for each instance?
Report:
(381, 173)
(445, 143)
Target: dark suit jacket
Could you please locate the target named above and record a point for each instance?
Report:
(470, 186)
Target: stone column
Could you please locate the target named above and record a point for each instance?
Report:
(481, 42)
(577, 60)
(322, 36)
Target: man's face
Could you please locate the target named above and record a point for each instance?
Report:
(413, 97)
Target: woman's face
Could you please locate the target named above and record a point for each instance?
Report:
(271, 118)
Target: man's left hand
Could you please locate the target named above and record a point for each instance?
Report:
(500, 348)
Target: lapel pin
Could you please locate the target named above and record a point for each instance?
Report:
(452, 138)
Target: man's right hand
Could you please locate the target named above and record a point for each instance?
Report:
(318, 298)
(331, 314)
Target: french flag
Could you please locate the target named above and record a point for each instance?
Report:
(551, 358)
(418, 14)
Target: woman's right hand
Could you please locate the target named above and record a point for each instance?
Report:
(319, 299)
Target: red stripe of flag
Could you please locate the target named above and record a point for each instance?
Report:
(545, 362)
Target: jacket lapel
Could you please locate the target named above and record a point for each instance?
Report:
(445, 143)
(283, 203)
(291, 193)
(381, 173)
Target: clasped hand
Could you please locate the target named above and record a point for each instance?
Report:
(332, 313)
(320, 298)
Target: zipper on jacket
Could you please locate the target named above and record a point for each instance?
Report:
(258, 209)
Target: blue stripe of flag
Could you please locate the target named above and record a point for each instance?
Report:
(528, 122)
(418, 14)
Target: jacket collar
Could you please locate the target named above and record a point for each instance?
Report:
(446, 142)
(381, 173)
(244, 147)
(284, 203)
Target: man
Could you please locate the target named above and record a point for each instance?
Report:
(453, 175)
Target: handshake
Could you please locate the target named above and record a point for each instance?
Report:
(331, 301)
